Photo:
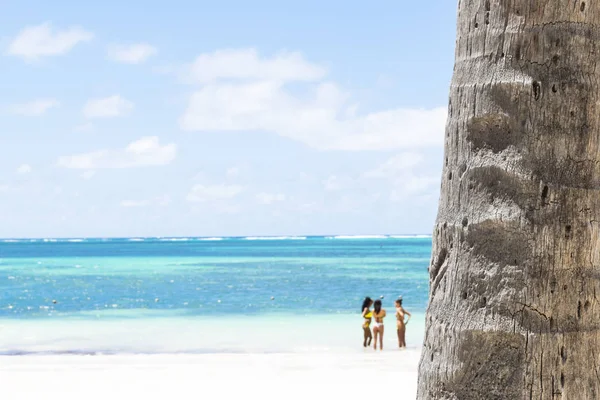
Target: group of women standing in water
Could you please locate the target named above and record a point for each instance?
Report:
(375, 319)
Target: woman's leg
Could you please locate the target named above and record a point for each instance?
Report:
(375, 333)
(402, 336)
(399, 336)
(381, 337)
(366, 334)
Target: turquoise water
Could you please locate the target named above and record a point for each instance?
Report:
(88, 295)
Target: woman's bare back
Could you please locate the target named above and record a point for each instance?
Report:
(400, 313)
(379, 317)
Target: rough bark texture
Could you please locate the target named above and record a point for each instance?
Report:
(515, 271)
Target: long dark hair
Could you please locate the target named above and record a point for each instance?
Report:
(377, 306)
(366, 303)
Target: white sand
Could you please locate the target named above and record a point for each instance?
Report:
(276, 357)
(388, 374)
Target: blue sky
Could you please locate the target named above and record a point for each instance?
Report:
(222, 118)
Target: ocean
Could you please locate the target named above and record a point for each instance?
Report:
(256, 295)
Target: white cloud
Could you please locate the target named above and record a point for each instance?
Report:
(87, 175)
(107, 107)
(384, 80)
(303, 177)
(406, 178)
(232, 172)
(335, 183)
(163, 200)
(246, 64)
(206, 193)
(87, 127)
(270, 198)
(24, 169)
(144, 152)
(402, 174)
(132, 54)
(308, 207)
(414, 184)
(395, 166)
(134, 203)
(159, 201)
(42, 40)
(320, 117)
(34, 108)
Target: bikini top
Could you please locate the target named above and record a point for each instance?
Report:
(368, 315)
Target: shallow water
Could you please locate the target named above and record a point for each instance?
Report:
(203, 295)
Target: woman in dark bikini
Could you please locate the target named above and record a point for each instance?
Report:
(367, 314)
(378, 315)
(401, 323)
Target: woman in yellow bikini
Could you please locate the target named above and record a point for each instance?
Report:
(378, 314)
(401, 323)
(367, 314)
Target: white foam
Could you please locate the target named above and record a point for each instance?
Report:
(410, 236)
(174, 239)
(211, 239)
(75, 240)
(360, 237)
(136, 240)
(275, 238)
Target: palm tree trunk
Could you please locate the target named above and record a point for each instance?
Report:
(515, 271)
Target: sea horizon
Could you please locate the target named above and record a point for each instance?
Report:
(223, 237)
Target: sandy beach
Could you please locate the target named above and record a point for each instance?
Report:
(290, 357)
(216, 376)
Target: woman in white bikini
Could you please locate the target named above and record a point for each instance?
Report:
(378, 316)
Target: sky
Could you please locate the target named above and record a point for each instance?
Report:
(229, 118)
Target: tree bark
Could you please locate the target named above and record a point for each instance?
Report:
(515, 271)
